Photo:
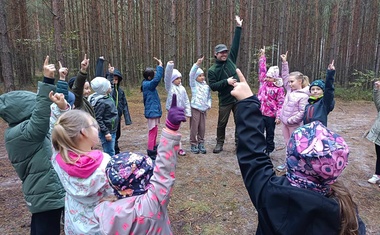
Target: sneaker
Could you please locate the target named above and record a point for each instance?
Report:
(194, 149)
(181, 152)
(202, 148)
(281, 168)
(218, 148)
(374, 180)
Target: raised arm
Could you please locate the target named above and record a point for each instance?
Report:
(255, 166)
(328, 95)
(168, 75)
(262, 66)
(79, 83)
(193, 70)
(236, 40)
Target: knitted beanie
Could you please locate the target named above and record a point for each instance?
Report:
(100, 85)
(176, 74)
(318, 83)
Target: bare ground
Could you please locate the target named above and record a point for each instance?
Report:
(209, 196)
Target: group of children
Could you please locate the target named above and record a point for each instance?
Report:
(125, 193)
(290, 99)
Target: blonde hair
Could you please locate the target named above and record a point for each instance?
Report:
(300, 76)
(66, 132)
(348, 209)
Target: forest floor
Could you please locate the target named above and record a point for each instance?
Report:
(209, 196)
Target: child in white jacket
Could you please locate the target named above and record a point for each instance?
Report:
(80, 169)
(173, 85)
(200, 103)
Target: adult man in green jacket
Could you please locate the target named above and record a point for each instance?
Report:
(221, 77)
(27, 140)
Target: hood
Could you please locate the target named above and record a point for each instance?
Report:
(118, 73)
(17, 106)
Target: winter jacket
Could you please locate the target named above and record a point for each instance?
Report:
(81, 102)
(117, 93)
(27, 141)
(294, 104)
(271, 96)
(374, 134)
(281, 207)
(83, 193)
(182, 98)
(152, 103)
(146, 213)
(105, 113)
(220, 71)
(318, 110)
(200, 92)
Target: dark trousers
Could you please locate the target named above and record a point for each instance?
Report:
(46, 223)
(224, 114)
(270, 125)
(118, 134)
(377, 169)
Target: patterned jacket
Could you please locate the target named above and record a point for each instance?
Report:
(147, 213)
(271, 96)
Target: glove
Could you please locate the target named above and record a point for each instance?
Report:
(176, 115)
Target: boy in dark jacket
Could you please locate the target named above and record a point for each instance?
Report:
(309, 199)
(118, 96)
(27, 140)
(105, 113)
(321, 100)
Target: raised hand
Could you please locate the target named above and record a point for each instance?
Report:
(158, 60)
(284, 56)
(59, 99)
(239, 22)
(111, 69)
(262, 51)
(84, 64)
(241, 89)
(200, 60)
(176, 115)
(331, 66)
(63, 71)
(49, 69)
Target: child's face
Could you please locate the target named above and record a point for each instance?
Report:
(115, 80)
(269, 79)
(316, 91)
(86, 89)
(295, 84)
(201, 78)
(177, 81)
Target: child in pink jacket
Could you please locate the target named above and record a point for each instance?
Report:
(297, 95)
(271, 95)
(143, 189)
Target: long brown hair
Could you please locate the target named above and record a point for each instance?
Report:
(348, 209)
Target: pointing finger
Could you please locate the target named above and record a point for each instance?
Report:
(46, 60)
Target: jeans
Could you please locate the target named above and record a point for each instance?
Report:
(108, 146)
(270, 125)
(224, 114)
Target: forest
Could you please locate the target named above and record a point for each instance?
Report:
(130, 33)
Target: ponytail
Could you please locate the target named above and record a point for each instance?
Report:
(305, 81)
(348, 209)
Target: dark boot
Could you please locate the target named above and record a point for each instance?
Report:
(152, 154)
(218, 148)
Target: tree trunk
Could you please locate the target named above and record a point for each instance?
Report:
(5, 53)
